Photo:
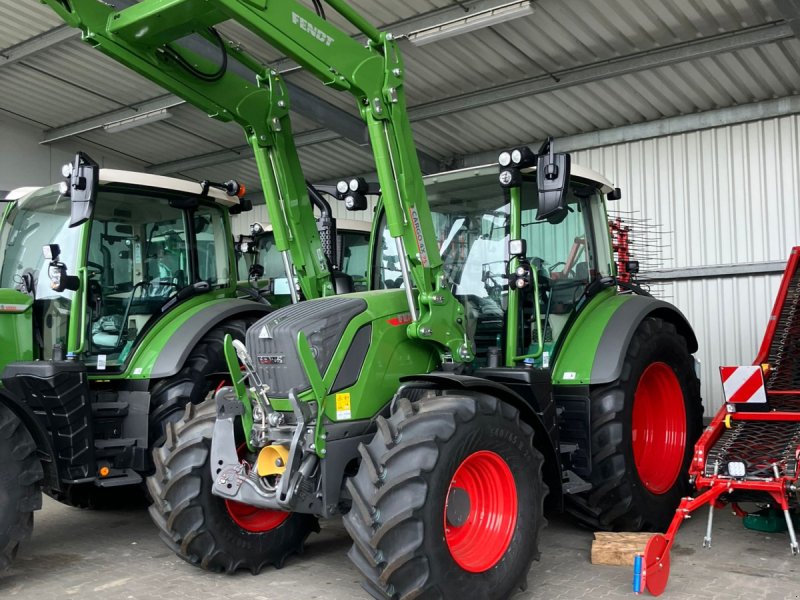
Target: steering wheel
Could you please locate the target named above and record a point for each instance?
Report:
(554, 269)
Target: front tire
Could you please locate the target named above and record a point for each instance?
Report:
(644, 427)
(203, 529)
(21, 478)
(447, 502)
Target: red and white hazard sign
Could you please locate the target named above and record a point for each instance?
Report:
(743, 385)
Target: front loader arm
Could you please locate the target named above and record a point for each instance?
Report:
(140, 36)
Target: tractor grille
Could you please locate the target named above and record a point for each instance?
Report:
(759, 445)
(784, 353)
(272, 341)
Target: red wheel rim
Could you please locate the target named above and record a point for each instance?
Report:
(659, 428)
(255, 520)
(251, 518)
(480, 512)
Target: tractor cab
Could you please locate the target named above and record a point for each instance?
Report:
(98, 286)
(473, 216)
(259, 263)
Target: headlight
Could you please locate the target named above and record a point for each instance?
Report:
(504, 159)
(736, 469)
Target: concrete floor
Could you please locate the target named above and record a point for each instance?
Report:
(116, 555)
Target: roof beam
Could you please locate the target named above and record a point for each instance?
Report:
(651, 59)
(790, 10)
(709, 46)
(38, 44)
(303, 102)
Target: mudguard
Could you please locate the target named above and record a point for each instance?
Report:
(594, 350)
(177, 348)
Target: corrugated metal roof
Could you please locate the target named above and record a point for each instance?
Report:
(71, 82)
(20, 21)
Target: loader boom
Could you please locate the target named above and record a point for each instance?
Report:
(147, 37)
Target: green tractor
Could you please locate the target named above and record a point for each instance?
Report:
(496, 360)
(116, 292)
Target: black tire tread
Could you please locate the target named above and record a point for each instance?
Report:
(18, 451)
(178, 512)
(407, 446)
(169, 396)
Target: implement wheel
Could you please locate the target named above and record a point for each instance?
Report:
(20, 485)
(644, 427)
(447, 502)
(203, 529)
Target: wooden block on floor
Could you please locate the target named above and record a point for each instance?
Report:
(618, 548)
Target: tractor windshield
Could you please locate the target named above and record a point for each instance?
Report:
(472, 218)
(33, 221)
(263, 251)
(143, 250)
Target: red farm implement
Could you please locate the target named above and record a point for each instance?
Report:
(750, 451)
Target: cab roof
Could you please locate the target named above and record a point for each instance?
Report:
(161, 182)
(576, 172)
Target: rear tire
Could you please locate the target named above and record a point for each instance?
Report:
(197, 525)
(21, 478)
(419, 533)
(642, 444)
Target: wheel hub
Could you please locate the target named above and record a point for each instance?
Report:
(458, 506)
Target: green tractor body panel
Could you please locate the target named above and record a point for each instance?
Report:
(390, 356)
(573, 364)
(16, 327)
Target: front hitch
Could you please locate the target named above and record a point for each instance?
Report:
(279, 488)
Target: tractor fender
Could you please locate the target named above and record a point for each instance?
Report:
(619, 330)
(175, 352)
(551, 471)
(40, 436)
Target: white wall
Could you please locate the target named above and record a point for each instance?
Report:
(728, 195)
(23, 161)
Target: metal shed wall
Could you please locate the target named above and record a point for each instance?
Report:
(728, 195)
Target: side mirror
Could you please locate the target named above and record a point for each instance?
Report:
(552, 175)
(57, 271)
(81, 183)
(614, 194)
